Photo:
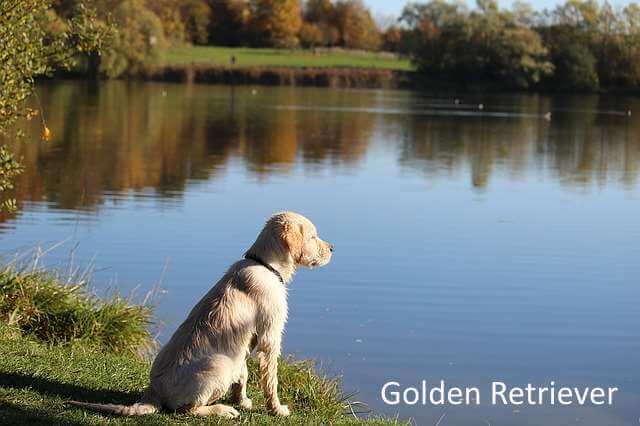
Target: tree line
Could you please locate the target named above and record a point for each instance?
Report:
(578, 45)
(256, 23)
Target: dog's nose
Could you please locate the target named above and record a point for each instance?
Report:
(331, 248)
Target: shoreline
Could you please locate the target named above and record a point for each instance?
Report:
(328, 77)
(331, 77)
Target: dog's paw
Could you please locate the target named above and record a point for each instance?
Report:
(281, 410)
(246, 404)
(228, 412)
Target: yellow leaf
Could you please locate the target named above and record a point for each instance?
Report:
(46, 134)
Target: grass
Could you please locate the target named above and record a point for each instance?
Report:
(255, 57)
(58, 342)
(39, 304)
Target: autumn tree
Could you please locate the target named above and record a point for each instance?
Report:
(310, 35)
(277, 22)
(196, 15)
(392, 39)
(356, 25)
(171, 17)
(321, 16)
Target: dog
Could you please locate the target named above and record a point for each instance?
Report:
(245, 310)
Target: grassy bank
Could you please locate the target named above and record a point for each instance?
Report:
(279, 67)
(253, 57)
(58, 342)
(39, 305)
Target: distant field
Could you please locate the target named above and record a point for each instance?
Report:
(277, 57)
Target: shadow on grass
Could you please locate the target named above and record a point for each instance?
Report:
(65, 390)
(13, 414)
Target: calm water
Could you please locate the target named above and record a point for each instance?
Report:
(471, 245)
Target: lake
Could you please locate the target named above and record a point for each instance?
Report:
(473, 243)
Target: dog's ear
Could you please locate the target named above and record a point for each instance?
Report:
(293, 236)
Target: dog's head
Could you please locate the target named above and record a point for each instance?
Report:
(292, 238)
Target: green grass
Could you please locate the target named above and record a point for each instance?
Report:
(40, 304)
(58, 342)
(251, 57)
(36, 380)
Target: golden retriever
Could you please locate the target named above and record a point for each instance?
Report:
(246, 309)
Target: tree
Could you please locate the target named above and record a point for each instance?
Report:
(357, 27)
(230, 22)
(139, 40)
(28, 51)
(485, 46)
(392, 39)
(322, 15)
(630, 42)
(277, 22)
(318, 11)
(196, 15)
(310, 35)
(171, 17)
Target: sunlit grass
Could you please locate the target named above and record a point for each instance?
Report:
(249, 57)
(40, 304)
(37, 379)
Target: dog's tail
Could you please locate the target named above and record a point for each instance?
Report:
(137, 409)
(147, 405)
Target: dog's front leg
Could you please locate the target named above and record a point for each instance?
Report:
(269, 380)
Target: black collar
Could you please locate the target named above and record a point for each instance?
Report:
(266, 265)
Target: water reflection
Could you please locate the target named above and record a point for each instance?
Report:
(120, 136)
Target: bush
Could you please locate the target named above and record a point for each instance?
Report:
(139, 41)
(41, 305)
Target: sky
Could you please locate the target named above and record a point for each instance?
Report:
(394, 7)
